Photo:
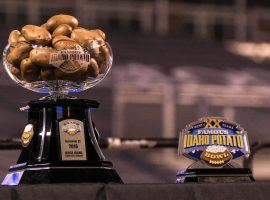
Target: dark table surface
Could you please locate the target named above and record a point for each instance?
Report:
(207, 191)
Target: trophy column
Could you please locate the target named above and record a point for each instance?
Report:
(60, 145)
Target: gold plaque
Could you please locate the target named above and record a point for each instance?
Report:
(27, 135)
(72, 139)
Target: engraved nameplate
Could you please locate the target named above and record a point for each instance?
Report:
(72, 140)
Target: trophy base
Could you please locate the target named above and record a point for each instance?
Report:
(226, 175)
(44, 174)
(60, 145)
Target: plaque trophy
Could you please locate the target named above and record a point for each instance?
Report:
(60, 140)
(214, 143)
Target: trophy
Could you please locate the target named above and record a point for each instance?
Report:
(214, 143)
(60, 140)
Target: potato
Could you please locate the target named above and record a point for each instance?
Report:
(21, 39)
(67, 71)
(62, 29)
(14, 36)
(45, 26)
(61, 45)
(101, 33)
(97, 33)
(41, 56)
(93, 68)
(61, 38)
(104, 59)
(62, 42)
(81, 35)
(18, 52)
(29, 71)
(93, 47)
(57, 20)
(47, 73)
(15, 71)
(36, 35)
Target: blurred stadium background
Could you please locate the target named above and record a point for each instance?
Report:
(174, 62)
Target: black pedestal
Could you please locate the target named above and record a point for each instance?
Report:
(215, 175)
(46, 158)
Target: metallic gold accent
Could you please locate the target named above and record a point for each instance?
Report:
(24, 108)
(213, 123)
(27, 135)
(71, 132)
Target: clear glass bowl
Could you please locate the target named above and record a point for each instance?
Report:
(58, 72)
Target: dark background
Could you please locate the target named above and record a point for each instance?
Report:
(174, 62)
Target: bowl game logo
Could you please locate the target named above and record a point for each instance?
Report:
(213, 140)
(71, 127)
(70, 60)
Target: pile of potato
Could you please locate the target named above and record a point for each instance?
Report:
(31, 48)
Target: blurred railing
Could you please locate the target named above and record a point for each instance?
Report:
(236, 90)
(238, 21)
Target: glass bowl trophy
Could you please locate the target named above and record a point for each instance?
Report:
(214, 143)
(60, 140)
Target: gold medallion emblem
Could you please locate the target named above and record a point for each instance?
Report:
(27, 135)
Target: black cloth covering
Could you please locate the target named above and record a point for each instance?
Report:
(199, 191)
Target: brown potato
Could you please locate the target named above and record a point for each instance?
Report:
(92, 46)
(81, 35)
(21, 39)
(15, 71)
(47, 73)
(104, 59)
(36, 35)
(61, 45)
(66, 71)
(14, 36)
(45, 26)
(29, 71)
(61, 38)
(93, 68)
(63, 42)
(57, 20)
(18, 52)
(101, 33)
(62, 29)
(41, 56)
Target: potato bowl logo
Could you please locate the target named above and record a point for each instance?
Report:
(71, 127)
(213, 140)
(71, 59)
(216, 155)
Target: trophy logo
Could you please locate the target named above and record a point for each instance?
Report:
(71, 127)
(27, 135)
(215, 141)
(70, 60)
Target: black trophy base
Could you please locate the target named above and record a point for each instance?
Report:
(226, 175)
(43, 175)
(60, 145)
